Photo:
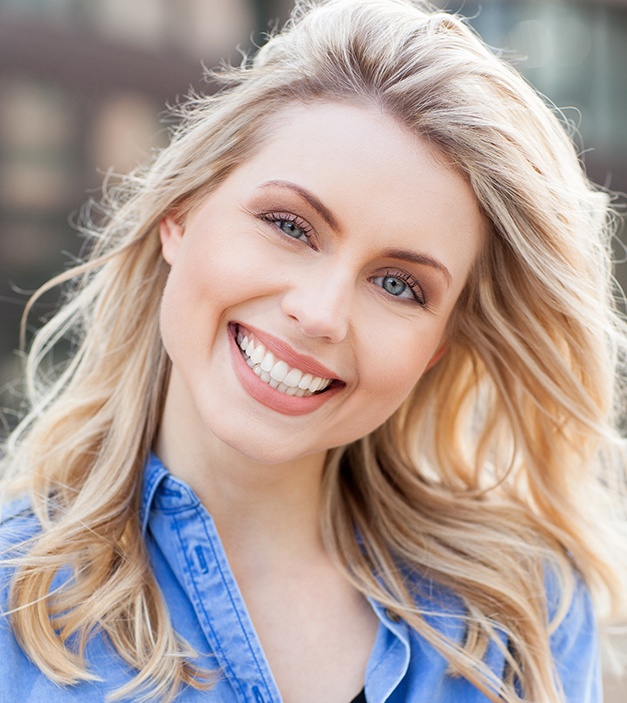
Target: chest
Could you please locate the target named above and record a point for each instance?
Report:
(274, 646)
(307, 629)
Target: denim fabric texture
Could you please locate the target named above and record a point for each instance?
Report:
(208, 612)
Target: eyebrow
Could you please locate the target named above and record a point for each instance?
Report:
(315, 203)
(329, 217)
(421, 259)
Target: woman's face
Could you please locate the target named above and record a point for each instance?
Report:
(326, 265)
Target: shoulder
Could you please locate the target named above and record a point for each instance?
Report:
(20, 678)
(17, 510)
(573, 636)
(18, 524)
(575, 641)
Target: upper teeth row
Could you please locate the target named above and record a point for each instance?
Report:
(276, 372)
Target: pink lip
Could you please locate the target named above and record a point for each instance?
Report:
(268, 396)
(285, 352)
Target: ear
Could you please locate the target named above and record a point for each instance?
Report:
(439, 353)
(171, 235)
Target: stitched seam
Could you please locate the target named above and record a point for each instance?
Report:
(148, 495)
(382, 660)
(206, 615)
(217, 562)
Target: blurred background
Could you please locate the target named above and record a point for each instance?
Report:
(84, 85)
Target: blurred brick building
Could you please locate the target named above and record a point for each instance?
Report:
(83, 88)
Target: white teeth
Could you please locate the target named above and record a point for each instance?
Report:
(293, 378)
(268, 362)
(277, 373)
(258, 354)
(315, 384)
(305, 381)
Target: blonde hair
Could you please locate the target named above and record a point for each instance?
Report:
(504, 464)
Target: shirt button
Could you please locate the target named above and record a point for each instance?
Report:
(391, 615)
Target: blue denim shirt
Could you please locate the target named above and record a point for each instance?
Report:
(208, 611)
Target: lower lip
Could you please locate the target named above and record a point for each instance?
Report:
(270, 397)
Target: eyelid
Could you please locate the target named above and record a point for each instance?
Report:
(273, 216)
(411, 281)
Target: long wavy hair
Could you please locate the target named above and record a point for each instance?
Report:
(504, 462)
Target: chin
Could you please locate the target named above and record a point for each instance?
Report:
(263, 451)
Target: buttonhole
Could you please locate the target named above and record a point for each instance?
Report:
(202, 562)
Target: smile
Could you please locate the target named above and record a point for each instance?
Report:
(276, 372)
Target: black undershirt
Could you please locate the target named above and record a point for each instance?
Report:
(360, 697)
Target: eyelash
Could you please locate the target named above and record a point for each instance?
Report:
(274, 217)
(411, 283)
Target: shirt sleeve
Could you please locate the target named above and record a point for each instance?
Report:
(575, 647)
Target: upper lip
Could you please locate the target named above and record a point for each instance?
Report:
(284, 351)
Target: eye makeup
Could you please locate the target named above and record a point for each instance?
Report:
(289, 224)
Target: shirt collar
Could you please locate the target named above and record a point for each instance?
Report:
(154, 473)
(441, 608)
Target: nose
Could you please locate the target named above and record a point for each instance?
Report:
(321, 304)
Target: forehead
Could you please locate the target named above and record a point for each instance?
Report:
(361, 159)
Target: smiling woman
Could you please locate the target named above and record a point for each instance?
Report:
(333, 249)
(361, 309)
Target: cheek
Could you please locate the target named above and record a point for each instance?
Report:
(210, 274)
(188, 307)
(392, 382)
(201, 272)
(394, 367)
(385, 380)
(172, 316)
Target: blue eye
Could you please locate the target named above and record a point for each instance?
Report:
(401, 286)
(291, 225)
(393, 286)
(291, 229)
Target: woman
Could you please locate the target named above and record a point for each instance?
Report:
(361, 309)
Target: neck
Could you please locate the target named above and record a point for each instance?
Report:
(264, 513)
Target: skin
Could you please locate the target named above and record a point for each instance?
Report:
(314, 240)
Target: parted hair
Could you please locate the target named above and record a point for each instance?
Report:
(504, 465)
